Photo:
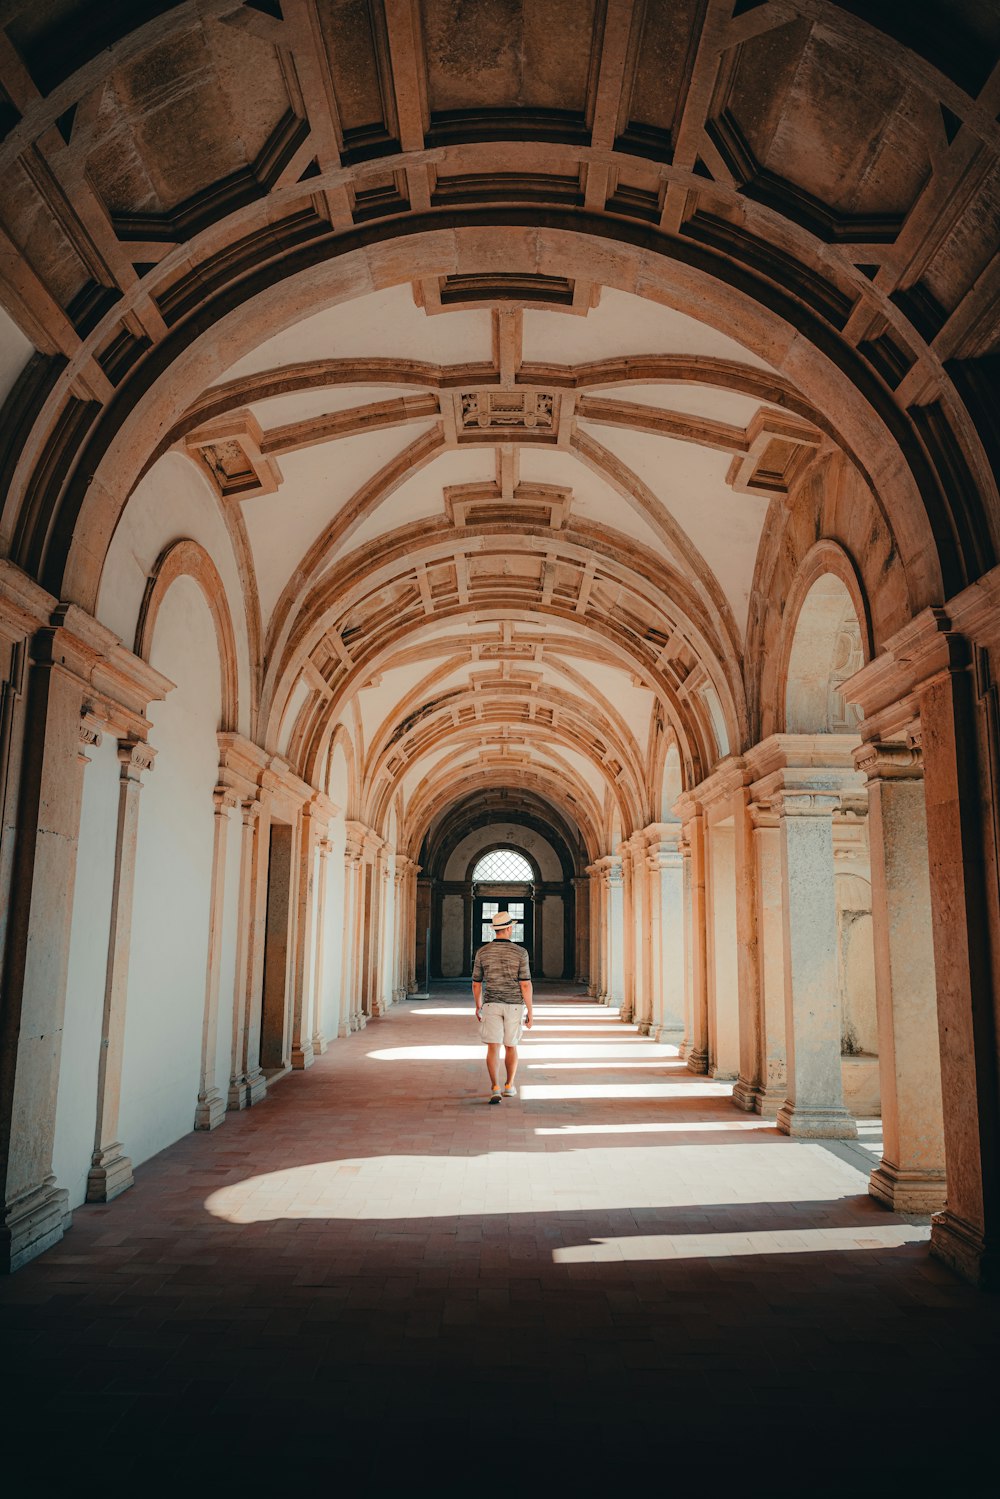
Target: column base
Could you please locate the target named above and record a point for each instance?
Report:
(358, 1022)
(302, 1057)
(591, 991)
(816, 1124)
(210, 1110)
(256, 1087)
(961, 1246)
(343, 1030)
(745, 1095)
(110, 1175)
(769, 1101)
(32, 1223)
(625, 1015)
(319, 1044)
(908, 1191)
(236, 1098)
(697, 1062)
(645, 1027)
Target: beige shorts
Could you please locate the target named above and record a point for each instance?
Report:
(501, 1023)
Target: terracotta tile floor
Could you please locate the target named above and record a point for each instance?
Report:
(373, 1278)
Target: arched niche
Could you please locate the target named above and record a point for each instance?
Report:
(672, 783)
(827, 647)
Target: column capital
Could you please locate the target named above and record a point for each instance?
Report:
(890, 760)
(135, 757)
(225, 798)
(804, 801)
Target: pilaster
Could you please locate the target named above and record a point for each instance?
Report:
(111, 1169)
(210, 1109)
(693, 820)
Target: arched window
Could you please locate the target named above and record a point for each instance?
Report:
(502, 866)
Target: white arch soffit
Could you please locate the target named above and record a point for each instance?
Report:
(687, 717)
(574, 801)
(452, 655)
(446, 731)
(451, 251)
(380, 486)
(365, 575)
(383, 741)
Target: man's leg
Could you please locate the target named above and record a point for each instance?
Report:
(493, 1062)
(510, 1060)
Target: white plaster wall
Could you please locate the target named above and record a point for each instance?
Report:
(553, 919)
(519, 837)
(173, 877)
(227, 967)
(76, 1107)
(451, 936)
(171, 502)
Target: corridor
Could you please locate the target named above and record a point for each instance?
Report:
(374, 1278)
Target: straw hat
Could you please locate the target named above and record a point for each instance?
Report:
(501, 919)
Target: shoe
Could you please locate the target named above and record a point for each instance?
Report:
(509, 1091)
(496, 1095)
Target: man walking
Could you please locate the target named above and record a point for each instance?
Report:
(501, 988)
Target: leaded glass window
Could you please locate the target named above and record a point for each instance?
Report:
(503, 866)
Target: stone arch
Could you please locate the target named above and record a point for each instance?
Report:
(632, 259)
(187, 558)
(825, 618)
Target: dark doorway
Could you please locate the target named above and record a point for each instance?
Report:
(273, 1012)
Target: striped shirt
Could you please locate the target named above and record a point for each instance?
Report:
(500, 966)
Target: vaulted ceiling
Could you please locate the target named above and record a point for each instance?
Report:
(502, 331)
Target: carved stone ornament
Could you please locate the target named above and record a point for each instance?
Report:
(515, 410)
(890, 760)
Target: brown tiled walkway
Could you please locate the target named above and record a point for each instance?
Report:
(372, 1277)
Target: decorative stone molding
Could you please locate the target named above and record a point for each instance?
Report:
(526, 412)
(229, 453)
(889, 760)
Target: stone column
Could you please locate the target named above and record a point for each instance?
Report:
(748, 1082)
(469, 943)
(400, 888)
(694, 831)
(911, 1175)
(628, 936)
(666, 911)
(210, 1109)
(308, 835)
(537, 932)
(351, 1016)
(247, 1083)
(615, 944)
(319, 1042)
(111, 1169)
(966, 1232)
(687, 964)
(773, 1078)
(644, 988)
(814, 1107)
(594, 930)
(581, 929)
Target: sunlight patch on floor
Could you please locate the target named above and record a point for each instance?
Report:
(678, 1127)
(715, 1246)
(596, 1053)
(580, 1091)
(572, 1179)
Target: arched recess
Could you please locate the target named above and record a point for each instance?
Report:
(826, 636)
(671, 784)
(188, 558)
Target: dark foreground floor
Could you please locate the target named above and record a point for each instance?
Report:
(374, 1281)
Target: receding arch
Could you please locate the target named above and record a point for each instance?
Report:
(826, 605)
(187, 558)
